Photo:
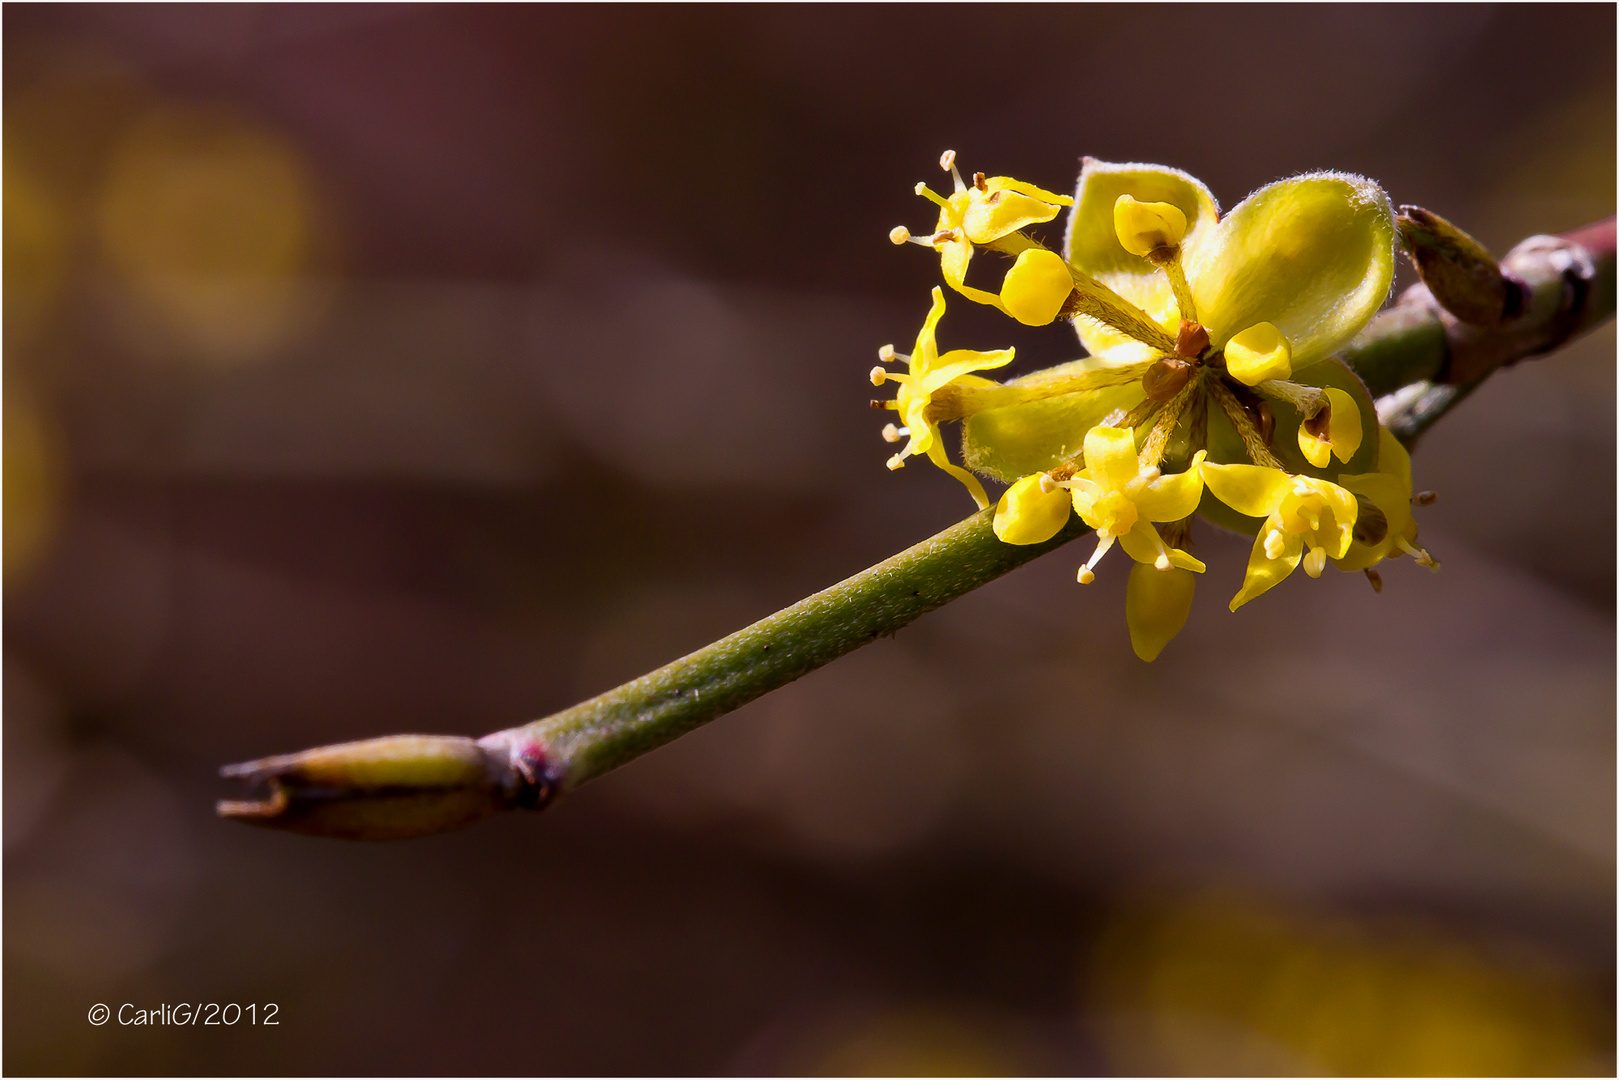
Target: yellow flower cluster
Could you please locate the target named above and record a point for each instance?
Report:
(1210, 387)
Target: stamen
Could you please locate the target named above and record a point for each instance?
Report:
(894, 434)
(878, 376)
(886, 354)
(1420, 555)
(1104, 540)
(1273, 544)
(947, 162)
(897, 461)
(1425, 498)
(1047, 484)
(879, 404)
(1376, 579)
(1169, 261)
(979, 183)
(1152, 451)
(928, 193)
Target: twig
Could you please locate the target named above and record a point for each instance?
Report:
(1417, 357)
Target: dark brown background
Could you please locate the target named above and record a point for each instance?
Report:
(375, 369)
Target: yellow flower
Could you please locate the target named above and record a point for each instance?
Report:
(989, 212)
(936, 388)
(1119, 497)
(1257, 300)
(1302, 514)
(1388, 529)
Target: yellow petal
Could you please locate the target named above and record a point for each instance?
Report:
(1029, 513)
(1264, 570)
(1258, 353)
(960, 362)
(1110, 456)
(968, 480)
(954, 255)
(1156, 604)
(1143, 227)
(1143, 544)
(927, 349)
(1085, 492)
(1023, 187)
(1092, 244)
(1313, 255)
(1392, 458)
(1036, 287)
(1341, 435)
(1254, 490)
(1005, 206)
(1170, 498)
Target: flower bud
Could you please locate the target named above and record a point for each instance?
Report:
(1032, 511)
(394, 787)
(1144, 227)
(1258, 353)
(1036, 287)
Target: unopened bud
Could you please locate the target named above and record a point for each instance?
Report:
(1458, 270)
(394, 787)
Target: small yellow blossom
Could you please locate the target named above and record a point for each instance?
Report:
(1119, 497)
(932, 391)
(1032, 511)
(985, 213)
(1305, 519)
(1390, 528)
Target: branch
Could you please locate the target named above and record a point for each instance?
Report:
(1417, 357)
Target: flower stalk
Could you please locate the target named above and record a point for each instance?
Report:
(1418, 358)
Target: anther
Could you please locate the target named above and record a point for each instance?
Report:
(1273, 544)
(1161, 562)
(943, 236)
(894, 434)
(886, 353)
(896, 462)
(1376, 579)
(881, 403)
(878, 376)
(1425, 498)
(1086, 576)
(979, 182)
(1047, 484)
(1166, 378)
(947, 160)
(899, 234)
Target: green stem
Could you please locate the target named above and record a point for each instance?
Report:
(608, 730)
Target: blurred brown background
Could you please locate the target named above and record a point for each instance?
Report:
(378, 369)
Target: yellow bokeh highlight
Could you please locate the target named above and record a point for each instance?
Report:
(1219, 985)
(210, 221)
(33, 483)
